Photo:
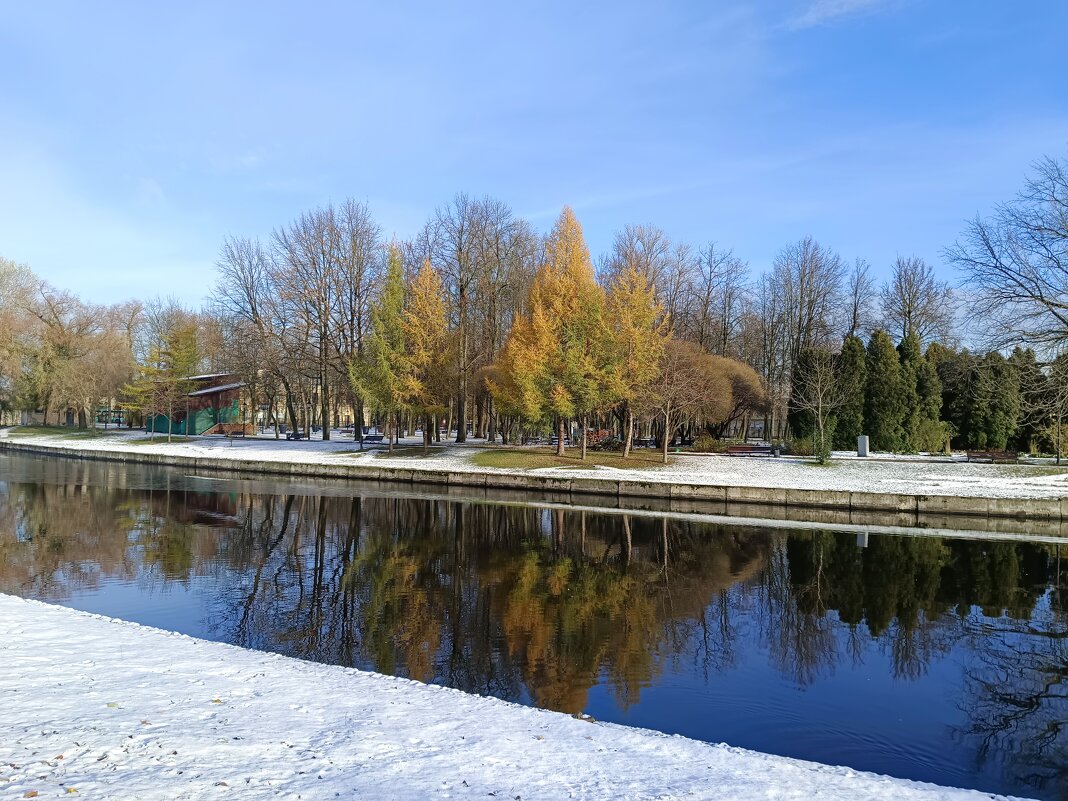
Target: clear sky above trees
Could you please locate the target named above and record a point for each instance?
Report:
(146, 135)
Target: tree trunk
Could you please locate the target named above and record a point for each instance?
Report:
(585, 427)
(291, 407)
(324, 402)
(428, 421)
(461, 410)
(628, 431)
(560, 436)
(667, 435)
(461, 398)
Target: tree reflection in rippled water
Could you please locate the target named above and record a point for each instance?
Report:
(795, 642)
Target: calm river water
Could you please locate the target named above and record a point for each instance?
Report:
(938, 659)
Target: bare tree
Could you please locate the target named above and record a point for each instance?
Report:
(808, 277)
(798, 306)
(915, 302)
(860, 295)
(817, 392)
(307, 273)
(1015, 264)
(644, 248)
(456, 229)
(360, 259)
(717, 293)
(260, 329)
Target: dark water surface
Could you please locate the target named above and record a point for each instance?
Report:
(937, 659)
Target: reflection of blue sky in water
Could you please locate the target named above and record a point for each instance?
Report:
(735, 633)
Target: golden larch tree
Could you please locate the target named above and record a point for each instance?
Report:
(555, 361)
(638, 332)
(426, 336)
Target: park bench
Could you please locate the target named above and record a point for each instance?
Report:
(294, 435)
(752, 450)
(996, 457)
(373, 437)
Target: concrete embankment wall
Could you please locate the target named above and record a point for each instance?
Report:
(1047, 516)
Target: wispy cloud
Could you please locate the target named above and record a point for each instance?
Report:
(821, 12)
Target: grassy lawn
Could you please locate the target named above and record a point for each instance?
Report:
(531, 459)
(63, 431)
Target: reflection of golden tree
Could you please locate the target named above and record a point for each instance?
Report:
(615, 605)
(59, 539)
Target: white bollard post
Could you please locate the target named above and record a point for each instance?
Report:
(862, 445)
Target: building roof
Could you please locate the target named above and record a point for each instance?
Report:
(206, 376)
(220, 388)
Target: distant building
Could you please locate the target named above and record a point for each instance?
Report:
(214, 401)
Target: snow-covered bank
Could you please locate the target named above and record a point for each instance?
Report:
(902, 476)
(114, 710)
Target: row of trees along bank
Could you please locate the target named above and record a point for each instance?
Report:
(481, 324)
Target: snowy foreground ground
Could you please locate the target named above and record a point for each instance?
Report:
(904, 475)
(111, 710)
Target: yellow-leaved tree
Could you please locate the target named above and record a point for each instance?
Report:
(426, 336)
(555, 363)
(638, 332)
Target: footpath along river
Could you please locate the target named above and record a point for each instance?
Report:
(937, 658)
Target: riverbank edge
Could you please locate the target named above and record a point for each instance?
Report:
(846, 506)
(159, 712)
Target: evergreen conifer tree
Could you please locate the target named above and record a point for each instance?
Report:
(851, 373)
(884, 409)
(378, 377)
(931, 432)
(999, 399)
(911, 358)
(1035, 409)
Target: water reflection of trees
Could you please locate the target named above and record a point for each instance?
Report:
(1017, 697)
(516, 602)
(541, 605)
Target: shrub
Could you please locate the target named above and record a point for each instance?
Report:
(706, 443)
(607, 444)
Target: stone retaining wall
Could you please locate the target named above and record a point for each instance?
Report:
(829, 506)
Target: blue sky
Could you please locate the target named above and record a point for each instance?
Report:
(135, 136)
